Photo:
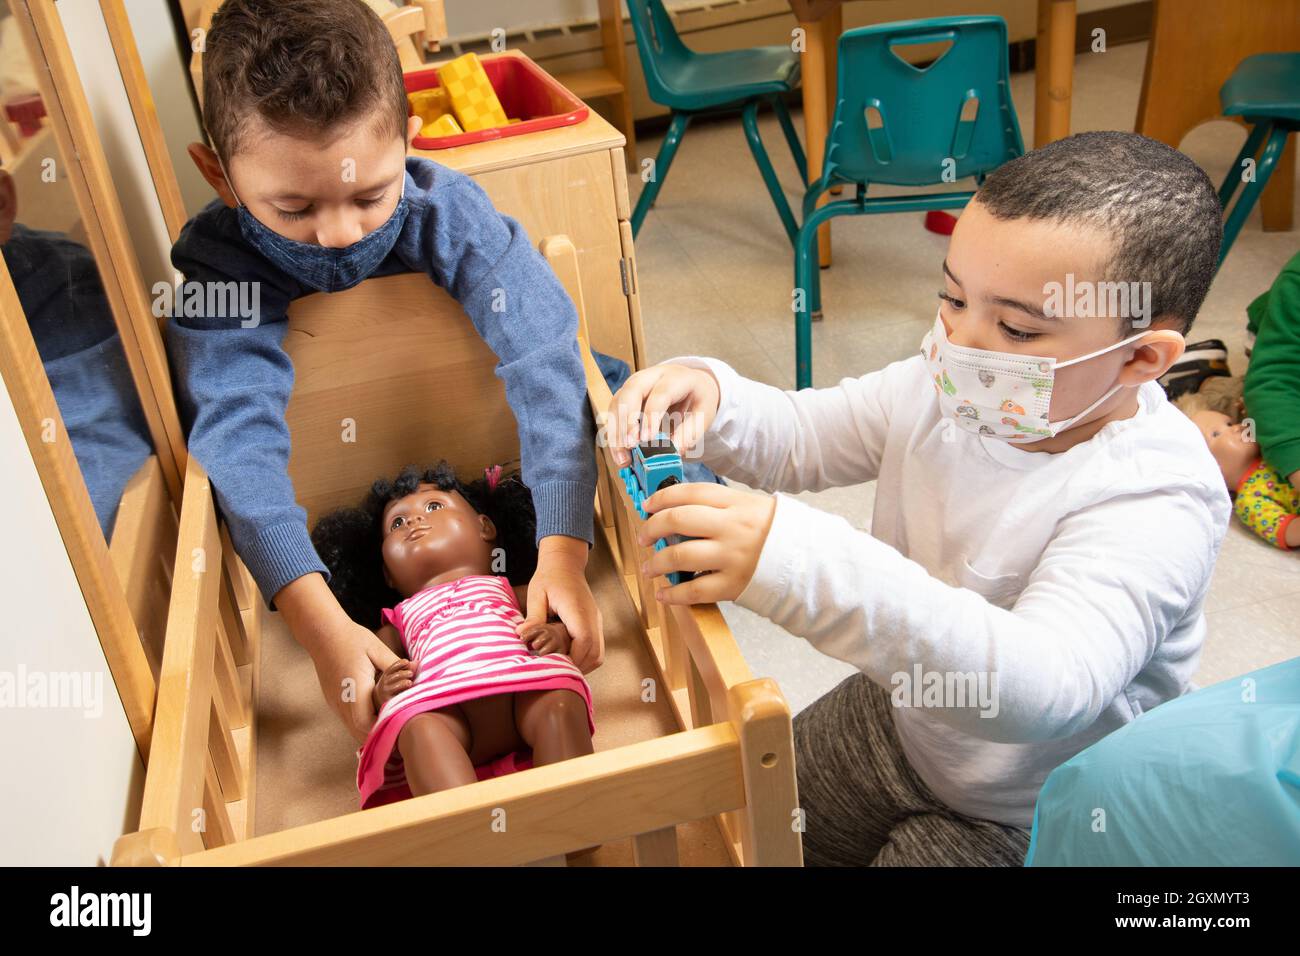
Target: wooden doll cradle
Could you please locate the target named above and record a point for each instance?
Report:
(248, 766)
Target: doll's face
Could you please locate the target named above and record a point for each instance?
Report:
(1228, 445)
(432, 533)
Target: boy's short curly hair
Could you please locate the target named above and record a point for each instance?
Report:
(304, 67)
(1161, 208)
(350, 540)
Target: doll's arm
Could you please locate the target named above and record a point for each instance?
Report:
(392, 640)
(399, 675)
(1268, 518)
(549, 638)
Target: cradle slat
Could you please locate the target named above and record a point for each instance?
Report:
(698, 696)
(229, 687)
(221, 750)
(656, 848)
(143, 548)
(178, 754)
(233, 633)
(217, 829)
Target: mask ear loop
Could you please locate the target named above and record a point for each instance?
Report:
(1109, 348)
(1058, 427)
(231, 183)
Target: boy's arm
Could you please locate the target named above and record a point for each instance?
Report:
(1107, 591)
(232, 383)
(799, 440)
(486, 262)
(1272, 384)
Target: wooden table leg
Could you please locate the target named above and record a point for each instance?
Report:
(1053, 70)
(815, 118)
(832, 26)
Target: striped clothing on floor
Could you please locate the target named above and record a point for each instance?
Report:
(461, 638)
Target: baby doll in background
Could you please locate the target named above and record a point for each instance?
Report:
(1265, 500)
(469, 696)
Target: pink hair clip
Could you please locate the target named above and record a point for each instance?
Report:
(493, 475)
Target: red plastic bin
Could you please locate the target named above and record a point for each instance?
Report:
(526, 92)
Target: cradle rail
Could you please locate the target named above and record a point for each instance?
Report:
(733, 758)
(199, 783)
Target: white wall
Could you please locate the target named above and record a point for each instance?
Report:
(476, 17)
(73, 779)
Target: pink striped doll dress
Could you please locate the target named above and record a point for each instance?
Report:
(461, 638)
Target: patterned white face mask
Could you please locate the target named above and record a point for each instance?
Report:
(1001, 394)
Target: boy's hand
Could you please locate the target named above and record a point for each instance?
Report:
(688, 395)
(346, 655)
(542, 639)
(399, 676)
(346, 664)
(559, 588)
(730, 526)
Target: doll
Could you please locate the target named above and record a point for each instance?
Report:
(470, 695)
(1265, 502)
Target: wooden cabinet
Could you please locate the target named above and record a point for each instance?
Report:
(569, 181)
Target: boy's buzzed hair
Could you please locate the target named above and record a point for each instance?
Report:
(305, 67)
(1161, 208)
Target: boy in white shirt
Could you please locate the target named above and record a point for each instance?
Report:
(1041, 544)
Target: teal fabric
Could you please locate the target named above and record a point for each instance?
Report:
(1209, 779)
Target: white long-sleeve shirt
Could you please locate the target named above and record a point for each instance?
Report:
(1072, 583)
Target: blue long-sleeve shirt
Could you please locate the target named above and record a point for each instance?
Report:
(59, 289)
(233, 382)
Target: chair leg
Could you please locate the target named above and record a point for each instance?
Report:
(1250, 195)
(807, 271)
(791, 137)
(813, 286)
(664, 159)
(750, 118)
(1248, 151)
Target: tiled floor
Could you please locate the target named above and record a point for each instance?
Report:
(716, 273)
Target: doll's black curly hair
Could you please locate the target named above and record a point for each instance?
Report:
(349, 540)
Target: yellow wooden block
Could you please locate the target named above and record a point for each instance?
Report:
(444, 125)
(472, 97)
(429, 104)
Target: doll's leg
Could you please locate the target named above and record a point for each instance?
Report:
(435, 751)
(553, 723)
(492, 727)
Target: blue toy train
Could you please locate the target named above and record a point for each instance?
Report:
(655, 464)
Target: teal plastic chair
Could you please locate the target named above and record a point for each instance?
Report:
(903, 125)
(691, 83)
(1264, 90)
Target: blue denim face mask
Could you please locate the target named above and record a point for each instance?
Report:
(319, 267)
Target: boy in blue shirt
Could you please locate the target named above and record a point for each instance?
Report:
(305, 106)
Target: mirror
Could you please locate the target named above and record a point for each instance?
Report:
(83, 358)
(46, 249)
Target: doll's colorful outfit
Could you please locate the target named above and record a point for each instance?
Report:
(461, 638)
(1267, 503)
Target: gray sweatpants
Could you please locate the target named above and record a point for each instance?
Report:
(863, 803)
